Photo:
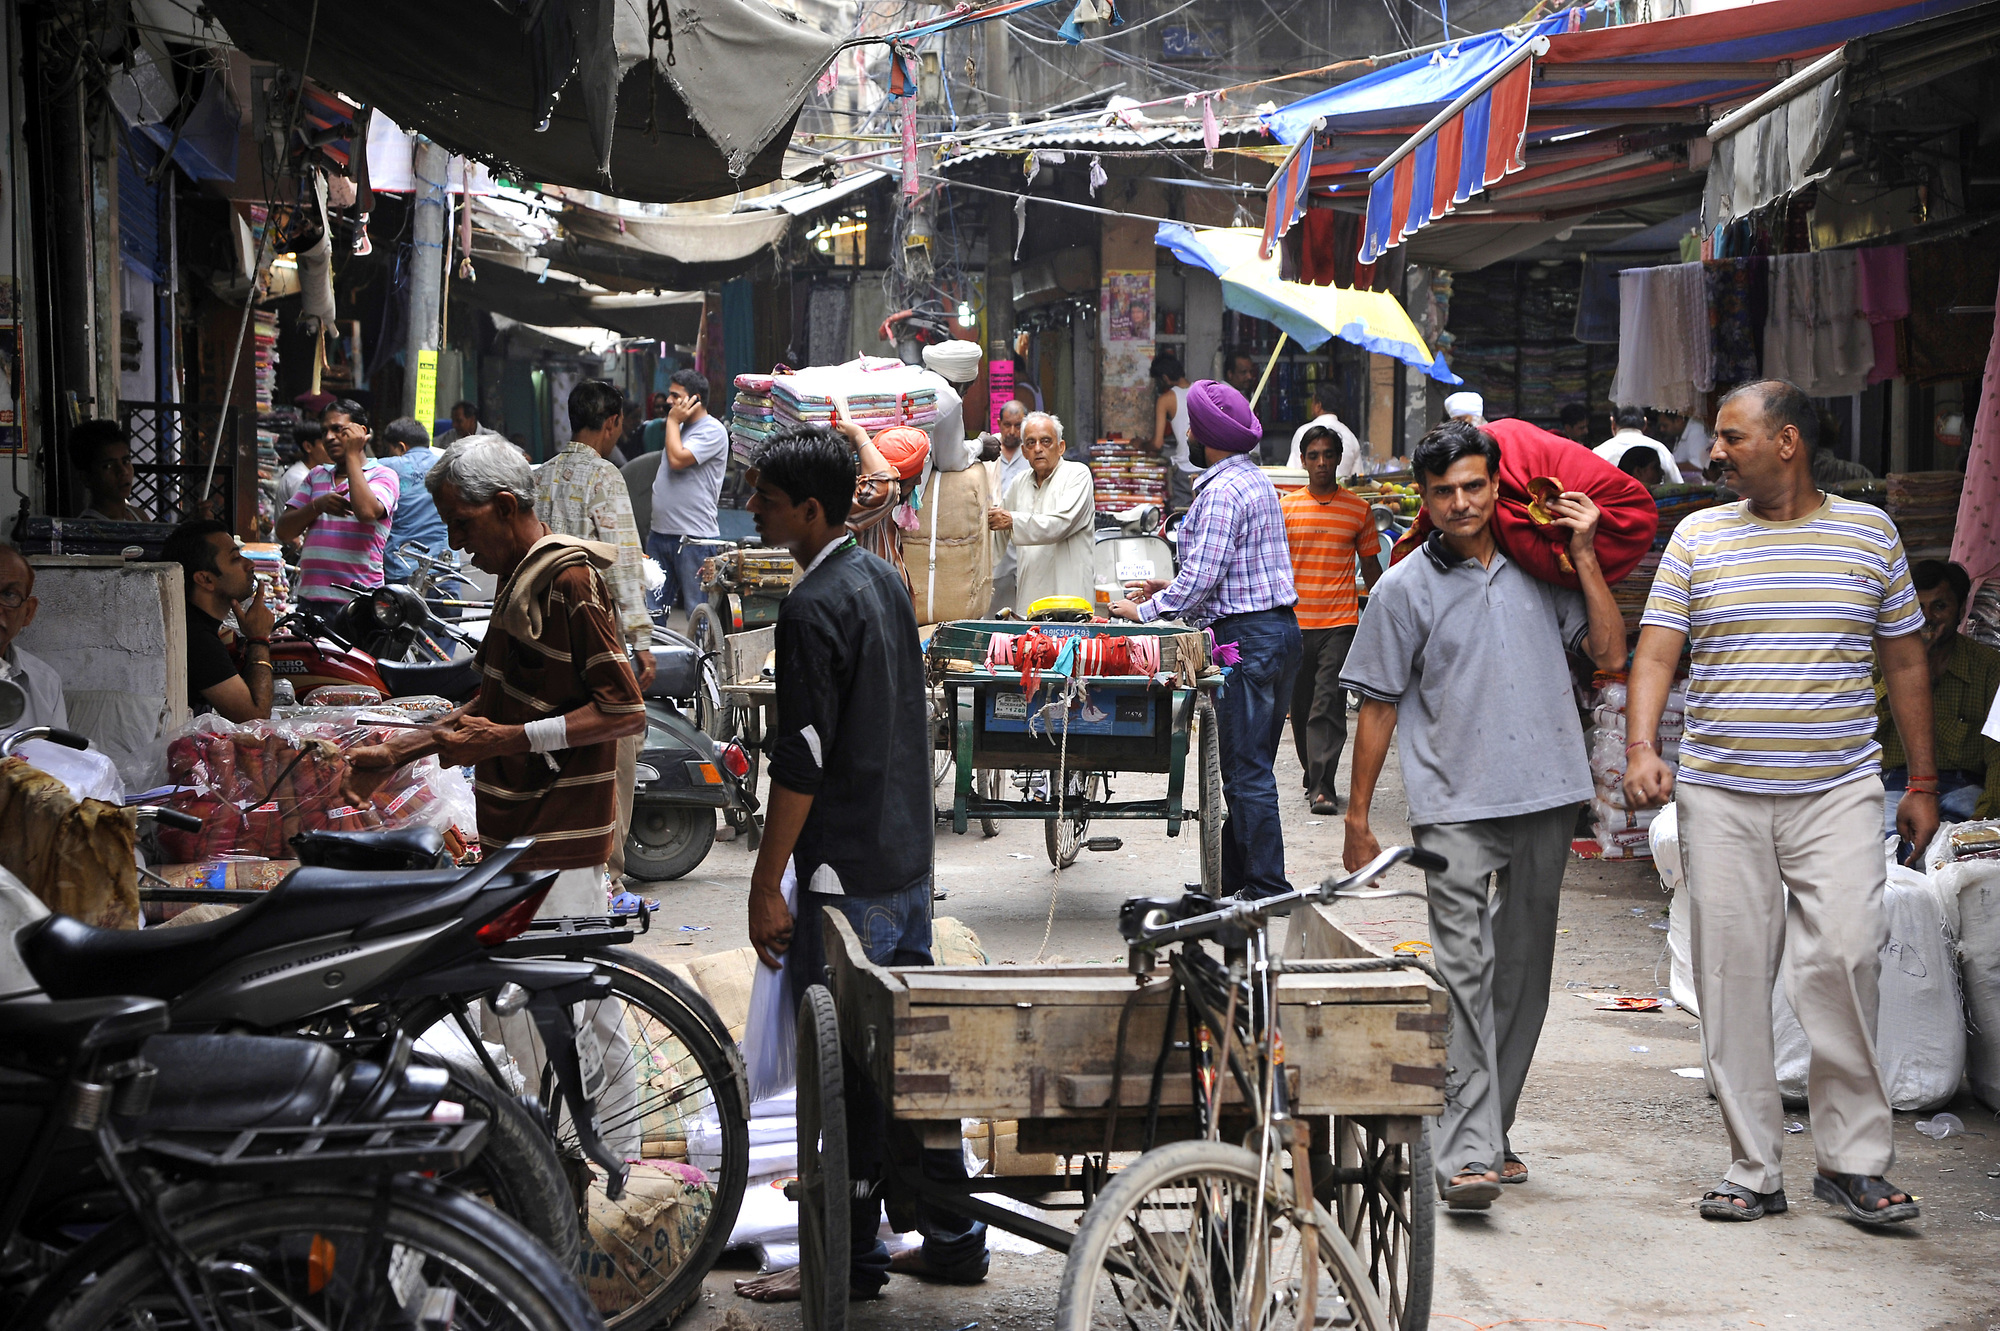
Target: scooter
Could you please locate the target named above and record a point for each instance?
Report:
(1133, 545)
(684, 776)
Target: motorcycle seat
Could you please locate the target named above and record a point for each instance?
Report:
(384, 849)
(71, 959)
(54, 1032)
(457, 679)
(231, 1082)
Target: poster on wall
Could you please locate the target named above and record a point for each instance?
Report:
(1128, 306)
(1000, 390)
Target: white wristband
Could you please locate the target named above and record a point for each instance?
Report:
(547, 735)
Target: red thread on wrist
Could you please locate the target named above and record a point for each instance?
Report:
(1641, 744)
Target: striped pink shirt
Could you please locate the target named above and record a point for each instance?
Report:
(343, 550)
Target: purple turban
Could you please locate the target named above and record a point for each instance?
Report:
(1220, 418)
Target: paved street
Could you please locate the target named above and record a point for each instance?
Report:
(1603, 1235)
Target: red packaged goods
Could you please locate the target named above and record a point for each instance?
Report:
(1535, 465)
(257, 786)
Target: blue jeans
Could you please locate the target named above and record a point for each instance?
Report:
(682, 565)
(894, 930)
(1251, 724)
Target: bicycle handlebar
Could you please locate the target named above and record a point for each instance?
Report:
(69, 739)
(1154, 930)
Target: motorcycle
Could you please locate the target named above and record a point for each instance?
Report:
(684, 776)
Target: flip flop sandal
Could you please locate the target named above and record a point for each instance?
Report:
(1474, 1196)
(1859, 1193)
(1718, 1204)
(1511, 1159)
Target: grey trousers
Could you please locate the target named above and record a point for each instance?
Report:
(1319, 706)
(1495, 952)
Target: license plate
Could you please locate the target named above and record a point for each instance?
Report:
(1010, 706)
(1134, 570)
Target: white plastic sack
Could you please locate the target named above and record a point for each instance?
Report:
(770, 1036)
(1919, 1033)
(90, 775)
(1979, 951)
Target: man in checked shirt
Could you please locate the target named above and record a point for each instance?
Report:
(1236, 578)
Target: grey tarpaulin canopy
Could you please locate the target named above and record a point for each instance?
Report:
(560, 302)
(476, 80)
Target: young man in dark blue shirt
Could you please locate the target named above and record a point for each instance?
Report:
(850, 808)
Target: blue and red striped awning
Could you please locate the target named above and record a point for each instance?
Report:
(1285, 196)
(1466, 144)
(1477, 145)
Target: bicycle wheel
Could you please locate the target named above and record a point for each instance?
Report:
(517, 1172)
(1208, 754)
(671, 1097)
(1384, 1197)
(1064, 836)
(823, 1189)
(312, 1257)
(1188, 1237)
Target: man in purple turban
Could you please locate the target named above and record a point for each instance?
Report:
(1236, 578)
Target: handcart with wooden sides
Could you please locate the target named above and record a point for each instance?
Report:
(1275, 1106)
(1080, 730)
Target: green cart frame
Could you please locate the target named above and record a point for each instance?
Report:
(1130, 724)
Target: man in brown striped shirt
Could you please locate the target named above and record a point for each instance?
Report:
(558, 690)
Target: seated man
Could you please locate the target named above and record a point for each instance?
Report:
(102, 451)
(1964, 677)
(1643, 466)
(36, 678)
(219, 579)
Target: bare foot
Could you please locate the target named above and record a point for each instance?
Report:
(783, 1287)
(1513, 1169)
(776, 1287)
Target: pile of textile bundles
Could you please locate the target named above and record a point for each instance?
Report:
(875, 392)
(1924, 507)
(752, 418)
(1126, 474)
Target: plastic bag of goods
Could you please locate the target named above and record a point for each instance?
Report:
(770, 1036)
(1920, 1038)
(1664, 839)
(258, 785)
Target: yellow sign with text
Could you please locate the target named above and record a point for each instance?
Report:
(425, 408)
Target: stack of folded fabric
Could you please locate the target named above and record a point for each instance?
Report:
(1126, 474)
(1924, 507)
(879, 393)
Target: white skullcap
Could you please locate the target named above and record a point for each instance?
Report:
(1465, 404)
(956, 360)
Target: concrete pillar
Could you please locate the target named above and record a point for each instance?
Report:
(429, 164)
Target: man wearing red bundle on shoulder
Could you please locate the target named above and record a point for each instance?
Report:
(1460, 656)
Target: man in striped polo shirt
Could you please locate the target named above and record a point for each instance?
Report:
(1782, 596)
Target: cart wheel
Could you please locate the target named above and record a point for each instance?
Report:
(1065, 836)
(1208, 752)
(990, 782)
(1384, 1198)
(823, 1189)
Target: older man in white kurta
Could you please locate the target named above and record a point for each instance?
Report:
(1046, 515)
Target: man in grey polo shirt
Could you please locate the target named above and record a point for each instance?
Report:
(1461, 655)
(694, 454)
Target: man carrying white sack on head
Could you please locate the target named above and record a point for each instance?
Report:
(952, 365)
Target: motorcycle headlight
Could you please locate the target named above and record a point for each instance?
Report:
(384, 605)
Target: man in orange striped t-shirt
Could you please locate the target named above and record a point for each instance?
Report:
(1328, 529)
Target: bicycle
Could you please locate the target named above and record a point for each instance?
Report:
(1205, 1233)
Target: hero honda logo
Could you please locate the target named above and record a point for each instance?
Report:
(269, 971)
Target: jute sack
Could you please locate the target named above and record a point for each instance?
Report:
(950, 554)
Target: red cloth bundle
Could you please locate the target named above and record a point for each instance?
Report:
(1531, 457)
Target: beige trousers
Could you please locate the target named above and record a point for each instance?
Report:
(629, 749)
(1741, 852)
